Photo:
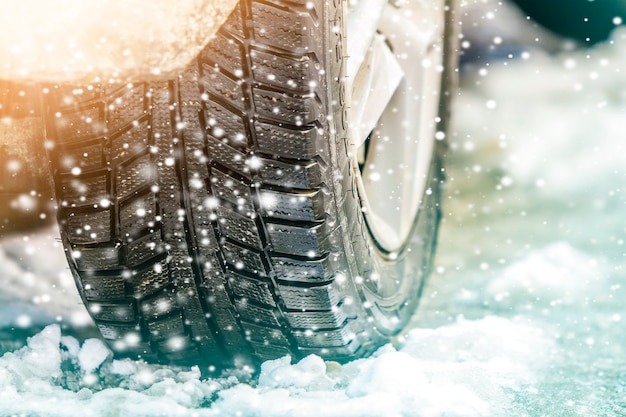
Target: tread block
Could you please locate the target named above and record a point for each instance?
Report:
(220, 306)
(113, 311)
(150, 280)
(137, 214)
(188, 298)
(324, 338)
(134, 175)
(256, 314)
(83, 190)
(126, 108)
(103, 287)
(141, 350)
(205, 235)
(302, 177)
(251, 289)
(314, 271)
(295, 240)
(208, 347)
(284, 73)
(264, 335)
(244, 259)
(73, 124)
(142, 249)
(283, 29)
(224, 52)
(305, 206)
(227, 156)
(189, 356)
(130, 142)
(167, 327)
(178, 348)
(211, 269)
(97, 258)
(17, 100)
(239, 228)
(225, 126)
(232, 190)
(267, 350)
(316, 320)
(282, 141)
(222, 86)
(297, 110)
(233, 24)
(111, 331)
(313, 298)
(86, 156)
(159, 305)
(89, 227)
(181, 271)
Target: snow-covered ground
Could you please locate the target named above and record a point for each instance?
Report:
(523, 316)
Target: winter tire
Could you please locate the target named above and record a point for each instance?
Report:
(223, 216)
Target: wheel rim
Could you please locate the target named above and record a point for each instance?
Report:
(394, 82)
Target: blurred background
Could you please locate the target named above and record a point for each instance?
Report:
(524, 313)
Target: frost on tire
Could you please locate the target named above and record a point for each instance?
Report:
(214, 218)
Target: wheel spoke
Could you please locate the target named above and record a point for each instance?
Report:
(362, 23)
(373, 87)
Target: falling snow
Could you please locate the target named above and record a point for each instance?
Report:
(523, 314)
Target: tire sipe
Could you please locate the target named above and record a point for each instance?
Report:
(214, 218)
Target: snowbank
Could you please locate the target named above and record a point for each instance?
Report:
(563, 131)
(468, 368)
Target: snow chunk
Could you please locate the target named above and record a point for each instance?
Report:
(72, 345)
(308, 374)
(93, 353)
(392, 372)
(39, 360)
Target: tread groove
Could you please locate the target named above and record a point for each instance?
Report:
(247, 11)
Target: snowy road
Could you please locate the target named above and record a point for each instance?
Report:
(524, 315)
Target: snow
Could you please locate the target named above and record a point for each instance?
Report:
(522, 316)
(40, 290)
(544, 278)
(582, 96)
(92, 354)
(462, 369)
(116, 39)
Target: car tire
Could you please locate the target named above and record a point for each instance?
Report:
(214, 218)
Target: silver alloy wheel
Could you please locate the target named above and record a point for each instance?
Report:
(394, 71)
